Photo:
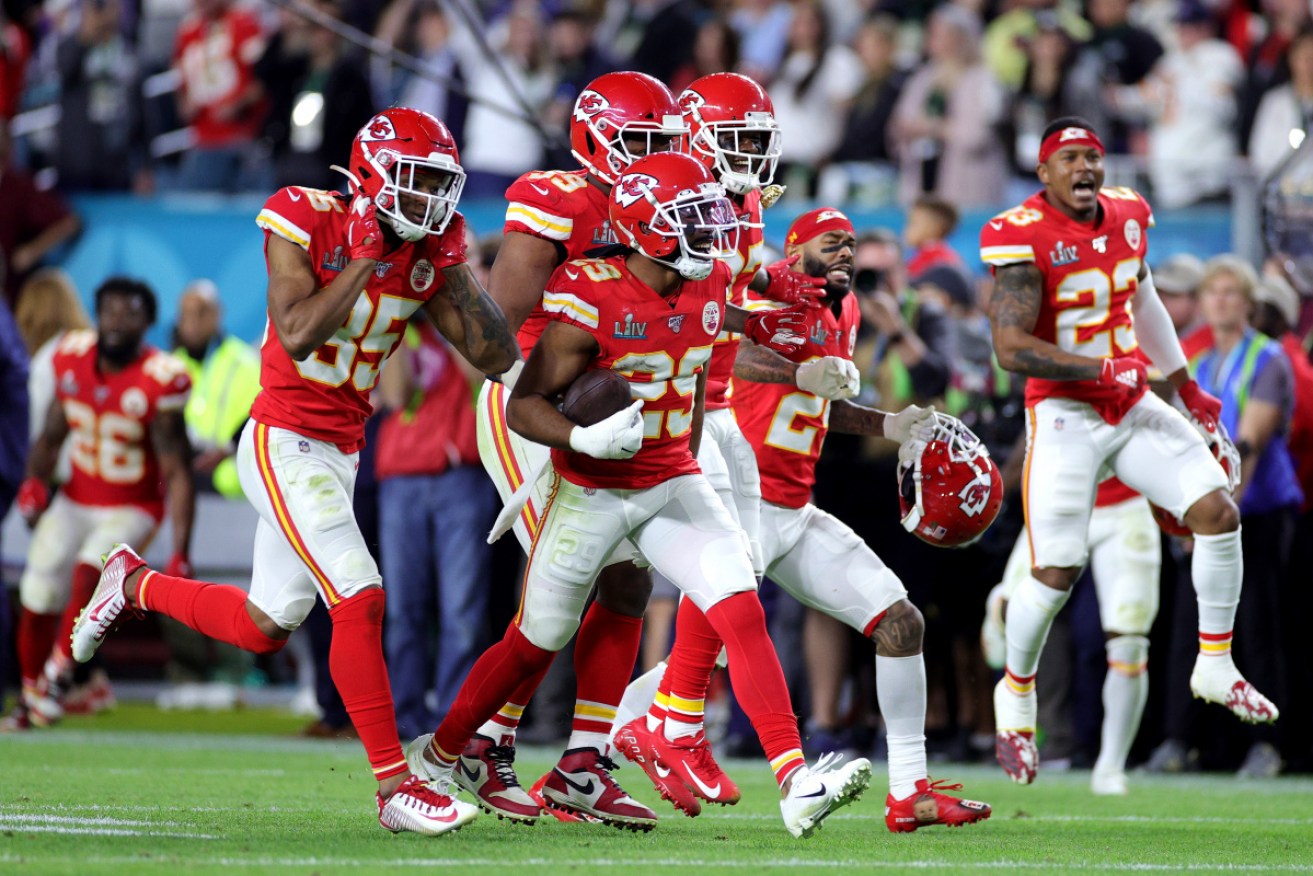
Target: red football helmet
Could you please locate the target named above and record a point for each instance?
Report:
(1227, 456)
(620, 106)
(668, 207)
(407, 154)
(732, 130)
(951, 491)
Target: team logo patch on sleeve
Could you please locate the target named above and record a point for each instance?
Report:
(422, 275)
(1132, 233)
(134, 402)
(711, 318)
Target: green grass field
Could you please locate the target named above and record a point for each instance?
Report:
(139, 791)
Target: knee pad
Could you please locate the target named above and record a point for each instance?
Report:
(1128, 655)
(547, 629)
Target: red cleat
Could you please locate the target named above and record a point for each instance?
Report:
(536, 792)
(487, 771)
(927, 806)
(1017, 754)
(635, 742)
(692, 761)
(582, 783)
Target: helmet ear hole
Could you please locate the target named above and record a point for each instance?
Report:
(907, 484)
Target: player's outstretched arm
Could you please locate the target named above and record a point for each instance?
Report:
(561, 355)
(1018, 294)
(763, 365)
(468, 317)
(168, 433)
(34, 493)
(519, 275)
(303, 315)
(829, 377)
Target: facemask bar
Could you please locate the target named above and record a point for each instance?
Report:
(439, 206)
(760, 166)
(618, 153)
(706, 209)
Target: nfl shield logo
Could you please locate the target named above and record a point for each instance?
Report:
(303, 446)
(675, 323)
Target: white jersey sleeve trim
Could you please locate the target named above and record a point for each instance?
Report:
(545, 224)
(1007, 255)
(572, 306)
(283, 227)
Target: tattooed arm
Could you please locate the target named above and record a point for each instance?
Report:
(468, 317)
(763, 365)
(1018, 293)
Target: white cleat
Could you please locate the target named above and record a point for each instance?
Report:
(1217, 680)
(419, 764)
(1108, 782)
(817, 792)
(1014, 736)
(107, 602)
(419, 807)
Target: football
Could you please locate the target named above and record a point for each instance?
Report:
(595, 395)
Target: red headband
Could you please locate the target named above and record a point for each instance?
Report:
(816, 222)
(1069, 137)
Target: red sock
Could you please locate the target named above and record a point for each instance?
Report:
(605, 651)
(754, 670)
(492, 679)
(355, 660)
(215, 610)
(36, 635)
(689, 667)
(85, 579)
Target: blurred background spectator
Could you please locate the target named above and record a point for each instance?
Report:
(421, 28)
(33, 222)
(1282, 120)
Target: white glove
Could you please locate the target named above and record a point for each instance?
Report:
(619, 436)
(910, 423)
(829, 377)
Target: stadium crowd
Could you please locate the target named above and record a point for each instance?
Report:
(937, 107)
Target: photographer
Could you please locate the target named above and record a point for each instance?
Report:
(915, 344)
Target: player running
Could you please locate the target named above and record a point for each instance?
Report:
(345, 273)
(816, 558)
(653, 316)
(553, 217)
(1074, 300)
(119, 401)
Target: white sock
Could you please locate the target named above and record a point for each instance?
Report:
(901, 691)
(1218, 567)
(638, 696)
(1125, 690)
(1030, 615)
(600, 742)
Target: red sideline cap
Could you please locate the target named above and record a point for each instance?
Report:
(1069, 137)
(816, 222)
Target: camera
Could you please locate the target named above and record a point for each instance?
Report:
(869, 280)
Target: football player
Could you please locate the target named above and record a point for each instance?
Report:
(813, 556)
(553, 217)
(1074, 301)
(1126, 559)
(733, 132)
(119, 402)
(653, 316)
(345, 273)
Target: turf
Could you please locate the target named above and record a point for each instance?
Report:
(138, 791)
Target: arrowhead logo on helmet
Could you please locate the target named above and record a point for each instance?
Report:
(632, 187)
(951, 491)
(379, 128)
(589, 104)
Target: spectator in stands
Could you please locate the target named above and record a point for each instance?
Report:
(32, 223)
(1177, 279)
(1285, 113)
(764, 28)
(220, 96)
(1118, 53)
(1266, 62)
(577, 61)
(101, 141)
(930, 222)
(715, 50)
(812, 93)
(436, 505)
(943, 125)
(1045, 94)
(13, 449)
(225, 379)
(1251, 375)
(421, 28)
(664, 25)
(1189, 101)
(48, 309)
(498, 147)
(862, 158)
(319, 97)
(1006, 38)
(15, 51)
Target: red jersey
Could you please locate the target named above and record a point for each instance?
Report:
(326, 395)
(563, 207)
(784, 424)
(216, 59)
(745, 263)
(659, 344)
(1090, 276)
(109, 418)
